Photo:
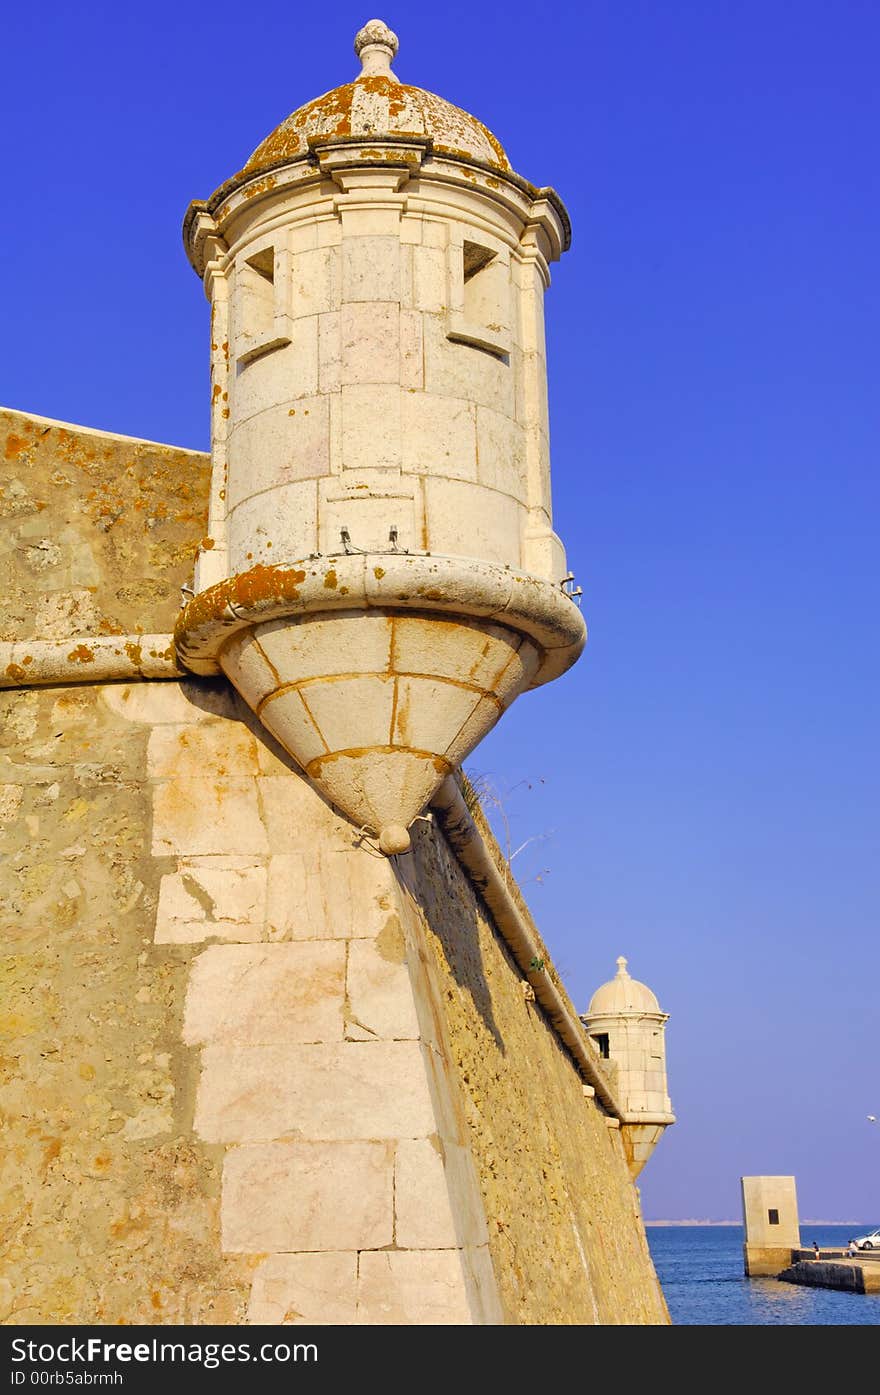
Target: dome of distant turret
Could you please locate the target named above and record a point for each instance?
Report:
(378, 106)
(622, 994)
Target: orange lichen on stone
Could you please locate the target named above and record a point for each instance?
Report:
(14, 446)
(355, 108)
(249, 588)
(134, 512)
(262, 186)
(82, 654)
(134, 652)
(16, 673)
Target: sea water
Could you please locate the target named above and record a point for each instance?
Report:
(701, 1271)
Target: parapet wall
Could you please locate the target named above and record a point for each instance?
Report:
(254, 1071)
(565, 1231)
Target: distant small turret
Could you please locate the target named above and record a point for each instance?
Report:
(627, 1029)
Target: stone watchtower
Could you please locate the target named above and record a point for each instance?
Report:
(627, 1028)
(381, 578)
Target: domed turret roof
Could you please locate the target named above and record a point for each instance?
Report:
(378, 106)
(622, 994)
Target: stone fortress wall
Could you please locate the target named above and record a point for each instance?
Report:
(253, 1071)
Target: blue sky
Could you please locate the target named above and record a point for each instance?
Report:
(701, 792)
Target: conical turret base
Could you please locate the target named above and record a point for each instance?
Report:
(378, 707)
(380, 672)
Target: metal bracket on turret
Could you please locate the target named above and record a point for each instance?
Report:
(350, 550)
(568, 588)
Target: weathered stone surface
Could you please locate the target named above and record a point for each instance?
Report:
(565, 1234)
(87, 876)
(317, 1289)
(100, 531)
(334, 1091)
(351, 642)
(195, 751)
(307, 1196)
(157, 704)
(334, 892)
(379, 992)
(405, 1287)
(422, 1208)
(203, 815)
(254, 994)
(294, 818)
(211, 898)
(111, 1210)
(334, 704)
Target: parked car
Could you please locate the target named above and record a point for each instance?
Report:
(871, 1241)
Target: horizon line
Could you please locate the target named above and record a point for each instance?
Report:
(808, 1220)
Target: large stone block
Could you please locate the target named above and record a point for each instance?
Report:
(225, 749)
(288, 718)
(279, 377)
(459, 370)
(189, 700)
(320, 648)
(437, 1196)
(429, 713)
(439, 436)
(429, 279)
(314, 282)
(422, 1208)
(279, 446)
(371, 269)
(255, 994)
(370, 428)
(371, 343)
(501, 448)
(405, 1287)
(245, 665)
(467, 520)
(207, 815)
(328, 892)
(352, 711)
(319, 1289)
(295, 816)
(286, 533)
(353, 1090)
(473, 652)
(369, 516)
(307, 1196)
(212, 897)
(379, 992)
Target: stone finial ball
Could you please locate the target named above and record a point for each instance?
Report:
(375, 31)
(394, 839)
